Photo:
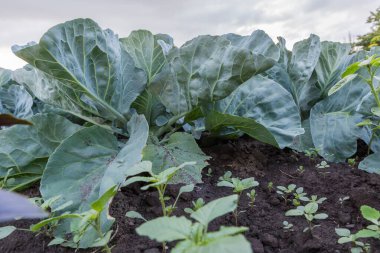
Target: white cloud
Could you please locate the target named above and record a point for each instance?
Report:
(25, 20)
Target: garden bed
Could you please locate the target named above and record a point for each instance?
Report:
(244, 158)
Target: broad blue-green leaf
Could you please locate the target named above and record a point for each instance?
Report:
(129, 156)
(227, 244)
(333, 60)
(371, 163)
(305, 141)
(5, 76)
(269, 104)
(166, 229)
(6, 231)
(180, 148)
(24, 149)
(146, 51)
(214, 209)
(205, 69)
(296, 76)
(17, 101)
(333, 122)
(91, 68)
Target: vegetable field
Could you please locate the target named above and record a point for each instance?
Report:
(225, 144)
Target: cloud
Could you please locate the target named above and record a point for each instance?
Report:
(24, 20)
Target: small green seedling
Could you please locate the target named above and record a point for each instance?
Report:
(194, 236)
(314, 199)
(252, 197)
(311, 153)
(286, 192)
(158, 181)
(298, 196)
(209, 172)
(238, 185)
(351, 162)
(322, 165)
(346, 237)
(372, 231)
(270, 187)
(287, 226)
(301, 169)
(196, 205)
(309, 211)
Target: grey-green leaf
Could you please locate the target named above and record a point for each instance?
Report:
(371, 163)
(91, 68)
(269, 104)
(6, 231)
(166, 229)
(214, 209)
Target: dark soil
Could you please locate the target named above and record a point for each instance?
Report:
(245, 158)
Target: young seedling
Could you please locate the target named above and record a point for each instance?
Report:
(209, 172)
(238, 185)
(196, 205)
(346, 237)
(80, 223)
(194, 236)
(372, 231)
(298, 196)
(252, 197)
(309, 211)
(314, 199)
(270, 187)
(301, 169)
(311, 153)
(158, 181)
(286, 192)
(351, 162)
(287, 226)
(322, 165)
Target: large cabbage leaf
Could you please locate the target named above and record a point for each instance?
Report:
(87, 164)
(203, 70)
(333, 122)
(269, 104)
(88, 67)
(25, 149)
(149, 53)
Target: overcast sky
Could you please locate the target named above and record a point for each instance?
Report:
(22, 21)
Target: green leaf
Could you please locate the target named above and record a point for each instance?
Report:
(341, 83)
(294, 212)
(370, 213)
(352, 69)
(214, 209)
(376, 111)
(186, 188)
(166, 229)
(203, 70)
(228, 244)
(5, 76)
(134, 215)
(180, 148)
(269, 104)
(99, 204)
(343, 240)
(365, 233)
(216, 122)
(311, 208)
(226, 231)
(342, 232)
(25, 148)
(225, 184)
(371, 163)
(6, 231)
(333, 122)
(88, 67)
(38, 226)
(16, 100)
(332, 62)
(100, 242)
(321, 216)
